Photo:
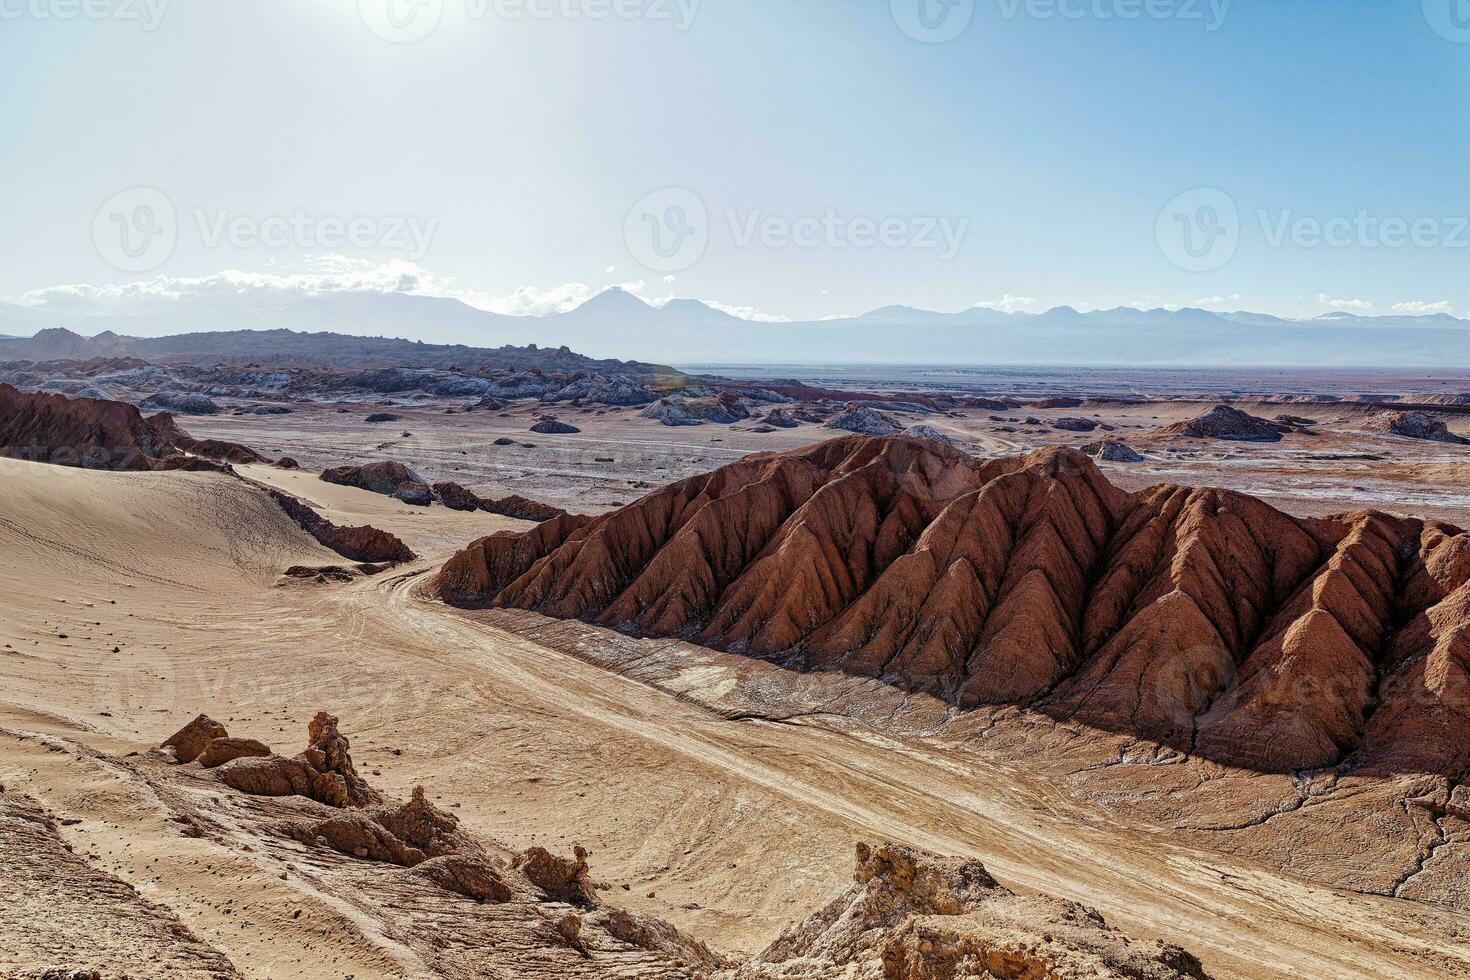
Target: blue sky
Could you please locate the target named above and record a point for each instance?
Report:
(497, 157)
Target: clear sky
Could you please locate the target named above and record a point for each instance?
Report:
(843, 158)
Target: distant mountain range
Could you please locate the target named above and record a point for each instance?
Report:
(617, 324)
(281, 348)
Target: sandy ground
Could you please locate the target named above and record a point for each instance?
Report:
(131, 602)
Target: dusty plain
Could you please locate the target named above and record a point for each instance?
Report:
(721, 793)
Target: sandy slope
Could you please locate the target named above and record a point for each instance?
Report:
(730, 828)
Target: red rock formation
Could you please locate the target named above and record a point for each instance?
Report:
(384, 477)
(1200, 618)
(361, 544)
(457, 497)
(100, 435)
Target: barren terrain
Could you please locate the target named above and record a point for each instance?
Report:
(725, 792)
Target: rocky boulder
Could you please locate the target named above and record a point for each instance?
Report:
(780, 418)
(1112, 451)
(554, 427)
(669, 412)
(416, 494)
(1415, 425)
(383, 477)
(859, 418)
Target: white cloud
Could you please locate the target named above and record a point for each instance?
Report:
(670, 278)
(1419, 307)
(746, 312)
(1008, 303)
(324, 274)
(319, 276)
(1349, 305)
(530, 301)
(1154, 303)
(610, 270)
(1217, 300)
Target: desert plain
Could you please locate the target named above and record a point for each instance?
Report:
(717, 790)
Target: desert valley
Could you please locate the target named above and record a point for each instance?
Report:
(604, 668)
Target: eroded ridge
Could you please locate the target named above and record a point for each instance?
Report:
(1202, 618)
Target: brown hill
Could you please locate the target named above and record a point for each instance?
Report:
(100, 435)
(1200, 618)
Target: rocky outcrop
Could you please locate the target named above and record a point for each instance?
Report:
(722, 408)
(930, 433)
(669, 412)
(1198, 618)
(560, 879)
(417, 494)
(1112, 451)
(383, 477)
(189, 742)
(322, 772)
(907, 914)
(1415, 425)
(780, 418)
(913, 916)
(1226, 422)
(100, 435)
(857, 417)
(457, 497)
(524, 384)
(1067, 424)
(364, 544)
(225, 749)
(602, 390)
(180, 402)
(554, 427)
